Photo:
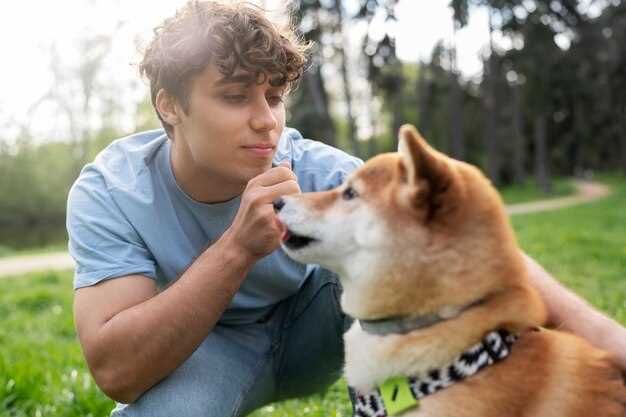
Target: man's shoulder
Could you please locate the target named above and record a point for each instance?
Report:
(319, 165)
(123, 161)
(315, 154)
(136, 149)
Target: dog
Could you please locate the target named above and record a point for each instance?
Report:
(446, 321)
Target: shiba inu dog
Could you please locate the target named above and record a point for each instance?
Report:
(446, 321)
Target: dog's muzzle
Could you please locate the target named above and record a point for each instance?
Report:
(295, 241)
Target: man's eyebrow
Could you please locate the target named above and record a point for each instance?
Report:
(242, 78)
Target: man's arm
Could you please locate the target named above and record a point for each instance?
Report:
(569, 312)
(133, 337)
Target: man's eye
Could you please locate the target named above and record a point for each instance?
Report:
(235, 98)
(275, 100)
(349, 193)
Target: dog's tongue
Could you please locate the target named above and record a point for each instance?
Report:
(285, 237)
(285, 232)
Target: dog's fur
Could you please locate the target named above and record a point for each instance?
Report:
(427, 234)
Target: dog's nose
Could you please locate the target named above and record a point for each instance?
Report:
(278, 204)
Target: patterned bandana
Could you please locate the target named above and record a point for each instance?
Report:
(491, 349)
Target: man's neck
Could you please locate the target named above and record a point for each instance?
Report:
(199, 184)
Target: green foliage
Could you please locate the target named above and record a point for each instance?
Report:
(34, 182)
(528, 191)
(35, 179)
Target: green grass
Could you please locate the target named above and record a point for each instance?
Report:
(522, 193)
(584, 247)
(42, 372)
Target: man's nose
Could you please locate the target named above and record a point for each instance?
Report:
(278, 204)
(263, 119)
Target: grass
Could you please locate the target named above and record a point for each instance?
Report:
(522, 193)
(42, 373)
(584, 247)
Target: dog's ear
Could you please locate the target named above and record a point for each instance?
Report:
(423, 169)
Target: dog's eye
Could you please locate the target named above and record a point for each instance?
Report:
(349, 193)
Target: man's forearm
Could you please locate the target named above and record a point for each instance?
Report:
(145, 343)
(567, 311)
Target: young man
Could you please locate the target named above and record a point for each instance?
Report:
(184, 303)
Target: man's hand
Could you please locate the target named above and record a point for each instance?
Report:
(567, 311)
(256, 231)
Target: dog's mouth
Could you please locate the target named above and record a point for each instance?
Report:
(295, 241)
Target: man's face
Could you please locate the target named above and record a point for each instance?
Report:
(232, 125)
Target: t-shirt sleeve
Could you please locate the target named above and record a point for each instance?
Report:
(320, 167)
(102, 242)
(343, 167)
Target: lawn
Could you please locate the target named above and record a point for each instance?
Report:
(42, 373)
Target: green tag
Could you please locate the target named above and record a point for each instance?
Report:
(397, 396)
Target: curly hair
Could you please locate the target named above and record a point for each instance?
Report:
(231, 36)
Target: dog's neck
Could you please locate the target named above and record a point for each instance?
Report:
(372, 359)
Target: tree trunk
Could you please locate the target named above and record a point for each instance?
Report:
(372, 146)
(347, 91)
(457, 142)
(542, 163)
(519, 151)
(423, 94)
(623, 140)
(315, 84)
(397, 118)
(492, 162)
(620, 124)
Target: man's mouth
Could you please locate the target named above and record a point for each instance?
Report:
(295, 241)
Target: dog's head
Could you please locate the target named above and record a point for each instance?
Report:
(408, 232)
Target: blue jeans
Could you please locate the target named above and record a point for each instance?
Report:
(297, 350)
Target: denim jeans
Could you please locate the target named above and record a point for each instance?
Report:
(297, 350)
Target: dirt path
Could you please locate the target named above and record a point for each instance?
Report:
(18, 265)
(586, 191)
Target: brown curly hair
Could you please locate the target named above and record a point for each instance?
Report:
(231, 36)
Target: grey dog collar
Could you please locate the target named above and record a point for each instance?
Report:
(406, 324)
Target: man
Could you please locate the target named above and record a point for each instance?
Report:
(184, 303)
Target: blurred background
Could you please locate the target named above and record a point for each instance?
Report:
(532, 91)
(528, 90)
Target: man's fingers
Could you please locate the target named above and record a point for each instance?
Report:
(274, 176)
(278, 190)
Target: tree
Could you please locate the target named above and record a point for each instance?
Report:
(346, 85)
(309, 106)
(384, 69)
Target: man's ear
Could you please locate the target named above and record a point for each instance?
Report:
(167, 107)
(424, 169)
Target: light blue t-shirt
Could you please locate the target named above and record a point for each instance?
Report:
(127, 215)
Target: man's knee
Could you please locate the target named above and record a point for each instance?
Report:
(181, 396)
(214, 382)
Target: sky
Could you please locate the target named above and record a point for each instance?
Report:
(29, 29)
